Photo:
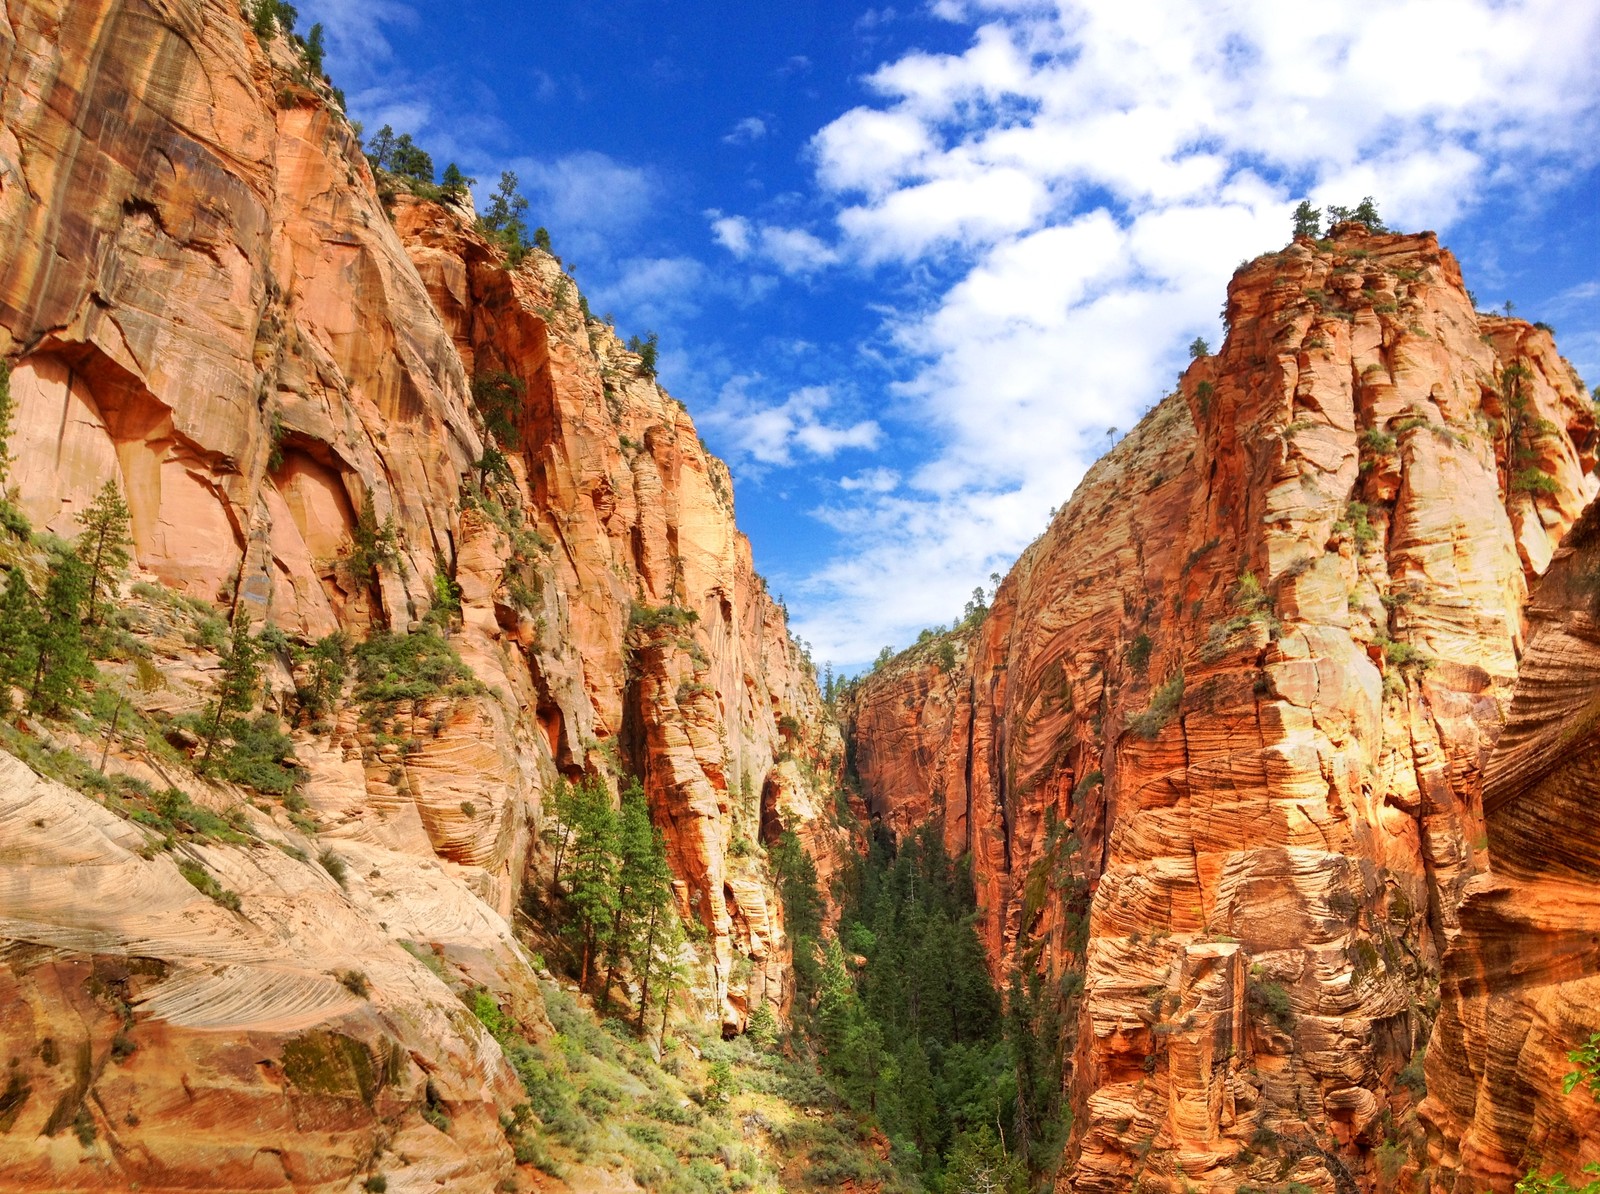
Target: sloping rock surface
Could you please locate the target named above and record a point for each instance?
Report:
(1216, 749)
(206, 295)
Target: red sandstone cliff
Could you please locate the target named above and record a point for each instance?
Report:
(203, 296)
(1521, 980)
(1255, 664)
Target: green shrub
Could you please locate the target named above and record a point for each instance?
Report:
(1534, 480)
(1538, 1183)
(1272, 1000)
(334, 865)
(1587, 1058)
(1163, 705)
(654, 617)
(1414, 1076)
(206, 883)
(259, 755)
(409, 667)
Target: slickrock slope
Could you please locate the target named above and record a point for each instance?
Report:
(1254, 667)
(1521, 983)
(203, 296)
(198, 1048)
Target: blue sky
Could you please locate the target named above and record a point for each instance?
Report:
(909, 264)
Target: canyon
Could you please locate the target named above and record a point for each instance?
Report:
(203, 296)
(1253, 670)
(1271, 754)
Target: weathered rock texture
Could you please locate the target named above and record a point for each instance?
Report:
(1521, 982)
(1255, 665)
(203, 296)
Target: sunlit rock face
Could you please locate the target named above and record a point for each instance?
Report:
(1216, 751)
(1521, 980)
(204, 296)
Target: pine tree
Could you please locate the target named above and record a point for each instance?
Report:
(647, 350)
(503, 223)
(11, 518)
(19, 629)
(644, 887)
(314, 50)
(103, 545)
(453, 183)
(381, 148)
(592, 889)
(61, 660)
(7, 409)
(1367, 212)
(236, 690)
(1307, 220)
(410, 161)
(499, 396)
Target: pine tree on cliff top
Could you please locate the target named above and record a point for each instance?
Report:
(1307, 220)
(453, 183)
(504, 224)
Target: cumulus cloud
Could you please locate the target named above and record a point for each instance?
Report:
(794, 251)
(1085, 177)
(748, 130)
(768, 432)
(872, 480)
(587, 198)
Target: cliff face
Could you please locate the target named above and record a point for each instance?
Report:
(203, 296)
(1521, 981)
(1254, 666)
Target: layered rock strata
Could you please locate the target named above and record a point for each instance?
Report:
(1521, 980)
(1216, 749)
(204, 296)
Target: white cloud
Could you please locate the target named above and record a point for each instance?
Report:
(872, 480)
(748, 130)
(1093, 171)
(794, 251)
(585, 198)
(769, 433)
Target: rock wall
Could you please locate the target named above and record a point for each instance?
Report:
(1255, 665)
(1521, 981)
(204, 296)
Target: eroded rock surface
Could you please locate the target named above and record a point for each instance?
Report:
(204, 296)
(1232, 708)
(1521, 982)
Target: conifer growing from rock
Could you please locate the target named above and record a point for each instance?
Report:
(19, 628)
(236, 691)
(453, 184)
(103, 545)
(61, 659)
(644, 889)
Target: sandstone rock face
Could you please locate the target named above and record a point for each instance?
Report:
(1254, 666)
(203, 295)
(197, 1047)
(1521, 981)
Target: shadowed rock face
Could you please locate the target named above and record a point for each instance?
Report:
(1521, 981)
(203, 295)
(1254, 666)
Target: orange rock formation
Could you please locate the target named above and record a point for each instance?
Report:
(203, 296)
(1255, 665)
(1521, 980)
